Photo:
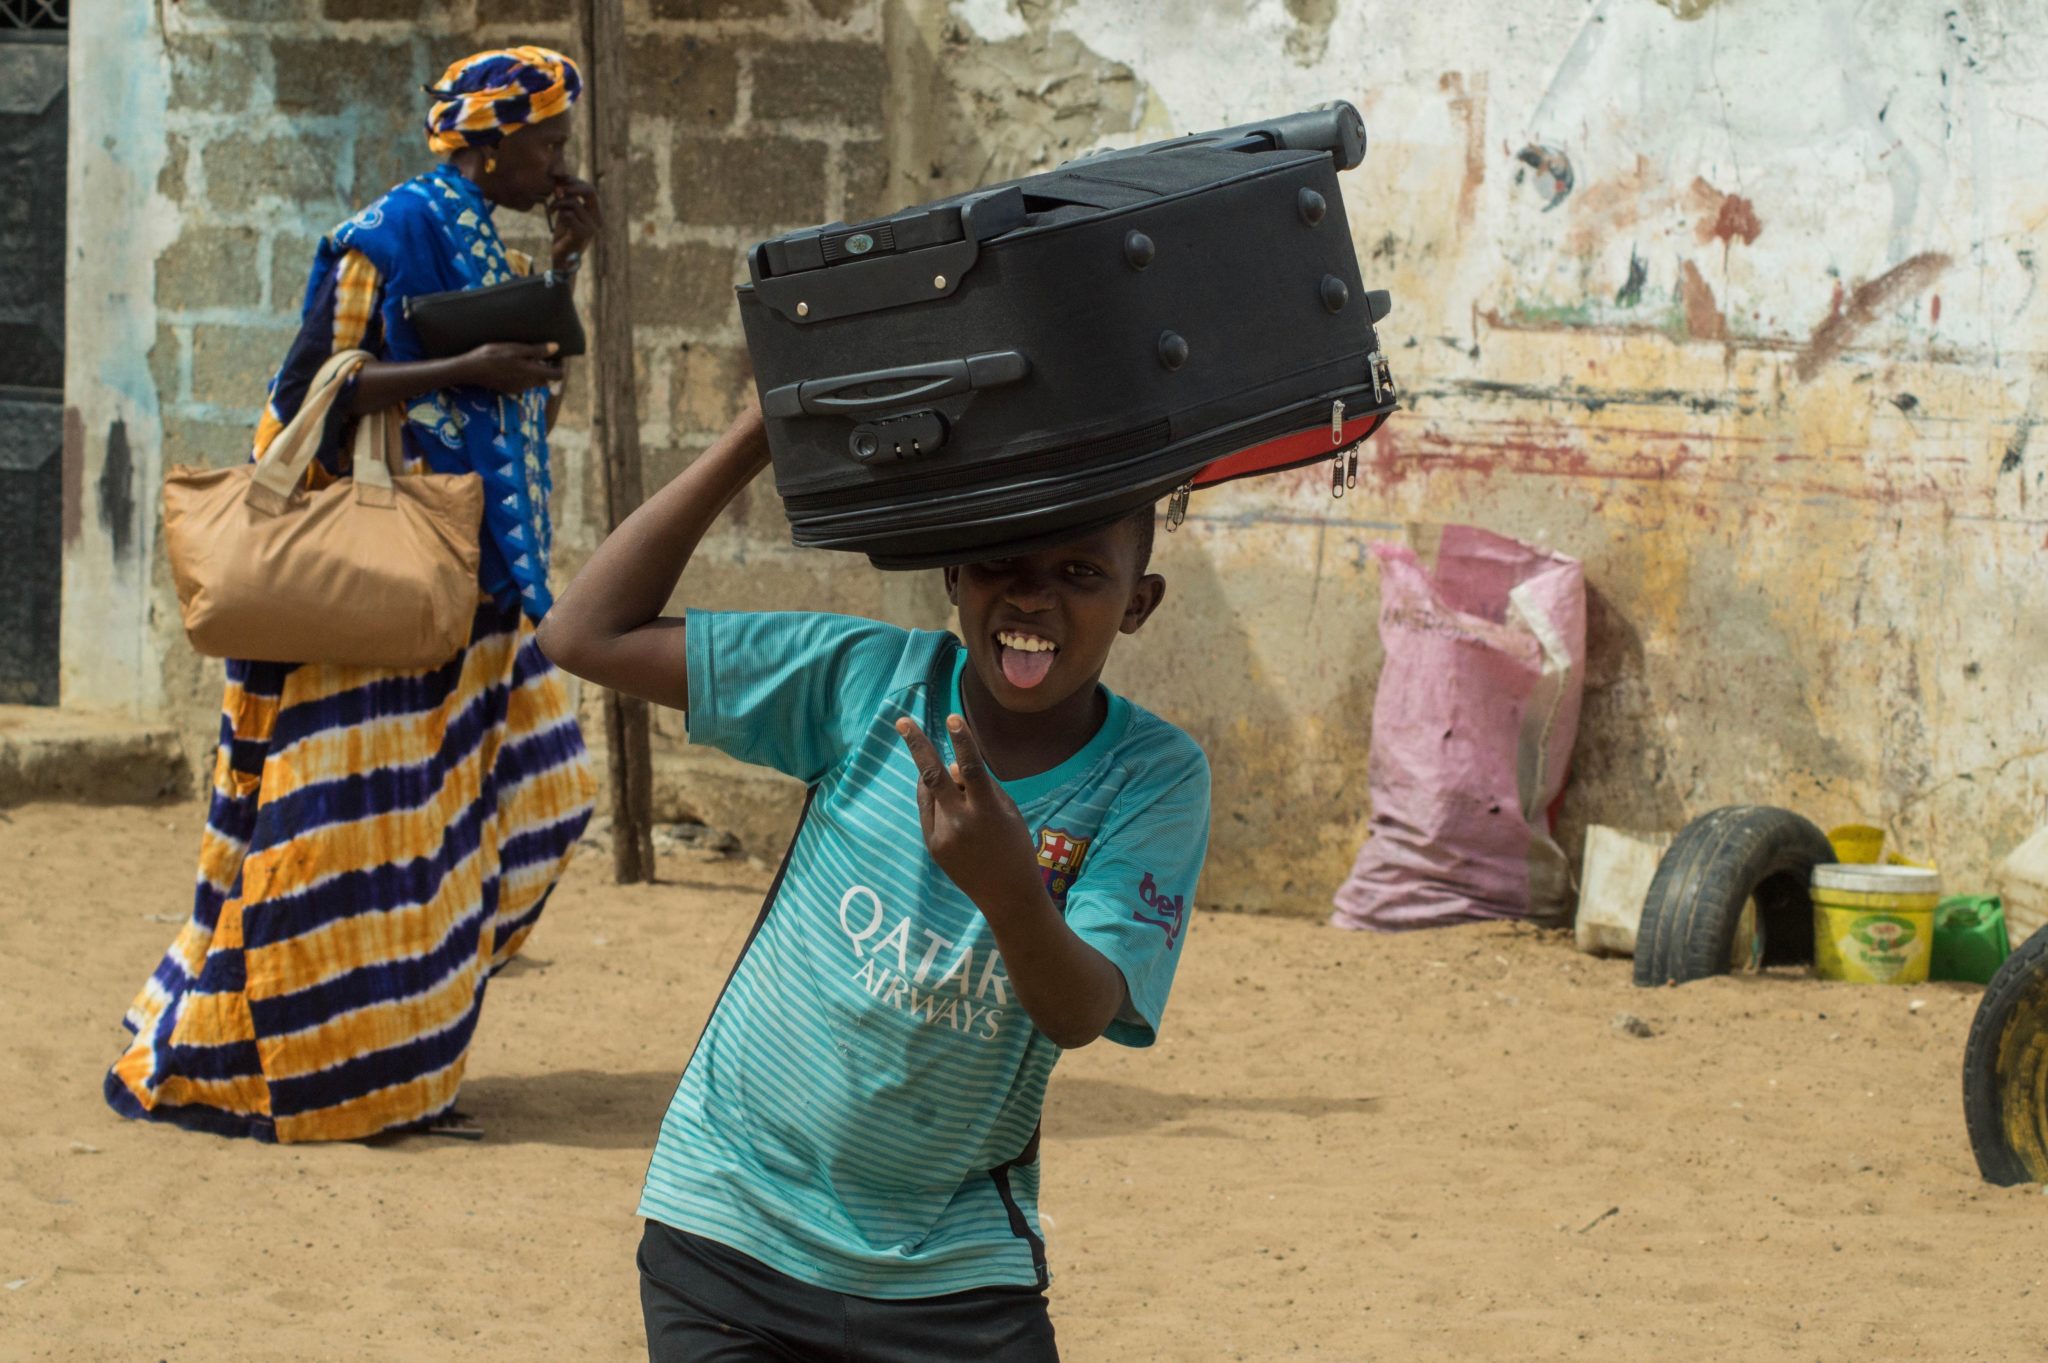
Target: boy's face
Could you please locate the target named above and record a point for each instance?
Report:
(1039, 626)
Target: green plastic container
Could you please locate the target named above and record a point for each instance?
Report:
(1969, 938)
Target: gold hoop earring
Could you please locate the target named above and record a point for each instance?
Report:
(490, 163)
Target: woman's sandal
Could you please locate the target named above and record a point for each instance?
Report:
(453, 1123)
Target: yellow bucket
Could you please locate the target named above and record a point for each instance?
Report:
(1874, 924)
(1857, 843)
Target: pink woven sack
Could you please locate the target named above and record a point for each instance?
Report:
(1472, 735)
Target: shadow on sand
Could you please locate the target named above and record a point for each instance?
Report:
(582, 1109)
(1085, 1108)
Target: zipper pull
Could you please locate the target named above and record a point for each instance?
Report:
(1177, 507)
(1351, 467)
(1337, 474)
(1337, 422)
(1375, 365)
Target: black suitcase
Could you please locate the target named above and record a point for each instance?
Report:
(1003, 369)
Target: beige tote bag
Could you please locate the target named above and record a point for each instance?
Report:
(370, 570)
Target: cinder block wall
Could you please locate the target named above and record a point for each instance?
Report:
(283, 117)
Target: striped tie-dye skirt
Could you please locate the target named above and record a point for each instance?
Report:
(379, 842)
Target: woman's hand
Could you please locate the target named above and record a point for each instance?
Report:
(576, 217)
(511, 367)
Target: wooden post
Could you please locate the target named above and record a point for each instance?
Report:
(615, 428)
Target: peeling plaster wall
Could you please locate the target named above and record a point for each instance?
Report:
(112, 417)
(1737, 302)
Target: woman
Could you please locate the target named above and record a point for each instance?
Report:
(380, 842)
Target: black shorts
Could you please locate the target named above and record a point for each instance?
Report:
(706, 1303)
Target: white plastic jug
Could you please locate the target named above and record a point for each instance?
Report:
(2023, 883)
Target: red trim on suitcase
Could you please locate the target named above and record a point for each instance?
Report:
(1300, 448)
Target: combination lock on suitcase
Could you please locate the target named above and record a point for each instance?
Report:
(1006, 368)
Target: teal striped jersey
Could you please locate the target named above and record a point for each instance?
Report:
(861, 1112)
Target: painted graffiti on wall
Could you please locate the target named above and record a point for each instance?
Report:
(1735, 301)
(1864, 135)
(1688, 9)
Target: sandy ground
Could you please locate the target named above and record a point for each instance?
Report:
(1344, 1147)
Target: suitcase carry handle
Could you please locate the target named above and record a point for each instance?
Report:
(909, 385)
(869, 283)
(979, 216)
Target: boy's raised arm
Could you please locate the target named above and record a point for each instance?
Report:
(608, 626)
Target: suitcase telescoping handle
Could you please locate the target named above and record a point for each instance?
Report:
(899, 389)
(1336, 128)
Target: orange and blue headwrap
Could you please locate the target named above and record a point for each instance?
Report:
(483, 97)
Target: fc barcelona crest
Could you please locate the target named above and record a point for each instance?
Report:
(1059, 860)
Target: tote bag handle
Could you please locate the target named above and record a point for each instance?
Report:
(283, 465)
(377, 456)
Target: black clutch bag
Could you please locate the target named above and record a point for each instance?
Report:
(532, 311)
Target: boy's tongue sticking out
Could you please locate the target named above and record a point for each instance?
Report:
(1026, 658)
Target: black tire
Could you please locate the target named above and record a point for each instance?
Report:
(2005, 1070)
(1717, 865)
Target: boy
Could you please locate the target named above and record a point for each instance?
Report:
(849, 1167)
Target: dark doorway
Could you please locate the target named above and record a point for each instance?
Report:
(32, 158)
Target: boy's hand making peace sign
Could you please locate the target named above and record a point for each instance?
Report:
(976, 835)
(971, 825)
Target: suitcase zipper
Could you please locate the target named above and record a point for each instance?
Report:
(1195, 456)
(1152, 437)
(1177, 507)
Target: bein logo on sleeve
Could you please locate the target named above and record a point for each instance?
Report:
(1170, 908)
